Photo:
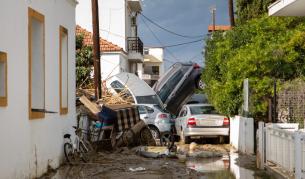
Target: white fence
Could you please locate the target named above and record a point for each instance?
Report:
(242, 134)
(282, 146)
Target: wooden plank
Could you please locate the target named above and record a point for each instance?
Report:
(93, 108)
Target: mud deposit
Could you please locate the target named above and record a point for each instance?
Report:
(125, 164)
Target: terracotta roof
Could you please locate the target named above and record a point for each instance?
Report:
(219, 28)
(105, 46)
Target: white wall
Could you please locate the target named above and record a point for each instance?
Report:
(112, 64)
(25, 142)
(242, 134)
(113, 17)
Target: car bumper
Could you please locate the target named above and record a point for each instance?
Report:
(164, 127)
(209, 132)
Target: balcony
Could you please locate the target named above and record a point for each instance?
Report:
(135, 49)
(150, 77)
(287, 8)
(135, 5)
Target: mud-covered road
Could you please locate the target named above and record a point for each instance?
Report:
(125, 164)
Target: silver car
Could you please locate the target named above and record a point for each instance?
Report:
(201, 120)
(157, 119)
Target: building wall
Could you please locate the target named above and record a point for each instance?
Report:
(112, 64)
(114, 18)
(29, 146)
(153, 55)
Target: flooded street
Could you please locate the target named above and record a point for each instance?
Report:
(126, 164)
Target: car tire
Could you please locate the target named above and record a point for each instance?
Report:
(155, 132)
(199, 84)
(185, 139)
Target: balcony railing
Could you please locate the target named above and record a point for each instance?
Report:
(150, 77)
(135, 45)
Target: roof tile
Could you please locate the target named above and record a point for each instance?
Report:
(105, 46)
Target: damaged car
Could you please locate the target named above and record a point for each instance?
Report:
(178, 84)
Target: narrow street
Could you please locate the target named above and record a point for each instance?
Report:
(126, 164)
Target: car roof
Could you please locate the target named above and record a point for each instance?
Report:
(137, 86)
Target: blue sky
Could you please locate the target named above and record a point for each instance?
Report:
(187, 17)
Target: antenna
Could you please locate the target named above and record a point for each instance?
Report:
(213, 11)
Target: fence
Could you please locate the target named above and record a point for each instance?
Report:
(282, 147)
(242, 134)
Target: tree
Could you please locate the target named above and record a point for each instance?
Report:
(84, 62)
(260, 49)
(248, 9)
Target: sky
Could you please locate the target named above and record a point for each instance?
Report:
(185, 17)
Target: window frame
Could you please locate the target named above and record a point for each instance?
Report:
(3, 99)
(33, 14)
(63, 110)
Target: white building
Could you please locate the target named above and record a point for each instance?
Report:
(153, 66)
(287, 8)
(113, 58)
(118, 25)
(37, 74)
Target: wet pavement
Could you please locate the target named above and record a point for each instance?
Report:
(125, 164)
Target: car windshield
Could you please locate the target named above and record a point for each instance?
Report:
(203, 110)
(120, 89)
(169, 86)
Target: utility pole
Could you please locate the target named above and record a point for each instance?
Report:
(96, 50)
(213, 11)
(231, 12)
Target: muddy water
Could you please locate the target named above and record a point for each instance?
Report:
(231, 166)
(126, 164)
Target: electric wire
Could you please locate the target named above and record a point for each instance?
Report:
(169, 31)
(159, 41)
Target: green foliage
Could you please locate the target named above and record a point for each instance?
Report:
(84, 62)
(248, 9)
(261, 50)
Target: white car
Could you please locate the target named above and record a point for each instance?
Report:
(158, 120)
(201, 120)
(134, 87)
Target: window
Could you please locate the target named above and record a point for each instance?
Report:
(120, 89)
(3, 79)
(36, 64)
(149, 110)
(155, 70)
(203, 110)
(170, 85)
(142, 110)
(63, 70)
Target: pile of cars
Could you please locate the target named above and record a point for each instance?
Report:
(164, 106)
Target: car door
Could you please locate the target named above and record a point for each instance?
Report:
(180, 120)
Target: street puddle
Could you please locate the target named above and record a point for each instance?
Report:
(233, 166)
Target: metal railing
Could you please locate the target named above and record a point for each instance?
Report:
(135, 45)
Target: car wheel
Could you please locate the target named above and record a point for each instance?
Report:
(185, 139)
(200, 84)
(155, 132)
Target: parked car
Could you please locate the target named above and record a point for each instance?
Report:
(201, 120)
(156, 118)
(134, 87)
(177, 85)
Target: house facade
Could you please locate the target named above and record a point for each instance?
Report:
(118, 25)
(37, 84)
(153, 66)
(287, 8)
